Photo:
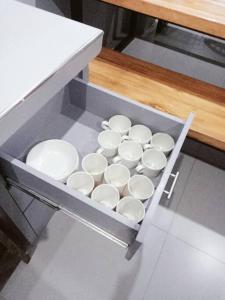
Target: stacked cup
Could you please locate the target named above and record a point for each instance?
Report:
(124, 149)
(93, 165)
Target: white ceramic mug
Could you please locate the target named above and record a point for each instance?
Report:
(117, 175)
(140, 187)
(162, 142)
(95, 164)
(81, 182)
(152, 163)
(107, 195)
(131, 208)
(118, 123)
(140, 134)
(129, 154)
(109, 142)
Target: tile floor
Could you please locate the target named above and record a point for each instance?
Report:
(182, 257)
(177, 62)
(199, 45)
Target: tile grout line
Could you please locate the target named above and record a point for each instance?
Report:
(155, 266)
(173, 235)
(167, 235)
(197, 249)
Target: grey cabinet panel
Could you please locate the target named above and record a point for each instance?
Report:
(9, 206)
(38, 215)
(22, 200)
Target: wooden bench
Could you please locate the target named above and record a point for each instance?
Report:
(165, 90)
(207, 16)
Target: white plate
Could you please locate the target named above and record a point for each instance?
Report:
(56, 158)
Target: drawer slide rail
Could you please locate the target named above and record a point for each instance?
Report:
(72, 215)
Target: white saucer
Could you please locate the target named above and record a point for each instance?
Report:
(56, 158)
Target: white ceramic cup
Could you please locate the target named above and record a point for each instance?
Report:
(118, 123)
(140, 134)
(117, 175)
(162, 142)
(152, 163)
(109, 142)
(95, 164)
(81, 182)
(129, 154)
(140, 187)
(107, 195)
(131, 208)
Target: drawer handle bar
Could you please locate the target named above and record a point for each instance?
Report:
(74, 216)
(170, 192)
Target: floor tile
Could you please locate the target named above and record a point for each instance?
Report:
(72, 262)
(176, 61)
(205, 71)
(148, 257)
(166, 210)
(200, 218)
(191, 42)
(145, 51)
(186, 273)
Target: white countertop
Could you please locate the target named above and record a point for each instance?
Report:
(34, 44)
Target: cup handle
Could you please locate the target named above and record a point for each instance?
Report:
(140, 168)
(105, 125)
(125, 137)
(100, 150)
(148, 146)
(116, 159)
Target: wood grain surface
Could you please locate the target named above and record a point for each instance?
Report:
(165, 90)
(207, 16)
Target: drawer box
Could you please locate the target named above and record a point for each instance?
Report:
(75, 115)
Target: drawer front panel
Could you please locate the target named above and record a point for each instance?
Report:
(161, 187)
(67, 199)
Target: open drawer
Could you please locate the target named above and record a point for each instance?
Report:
(75, 115)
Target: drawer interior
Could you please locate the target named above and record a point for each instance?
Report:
(75, 115)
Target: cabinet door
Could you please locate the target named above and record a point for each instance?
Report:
(10, 208)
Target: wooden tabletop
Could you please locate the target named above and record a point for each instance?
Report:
(165, 90)
(207, 16)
